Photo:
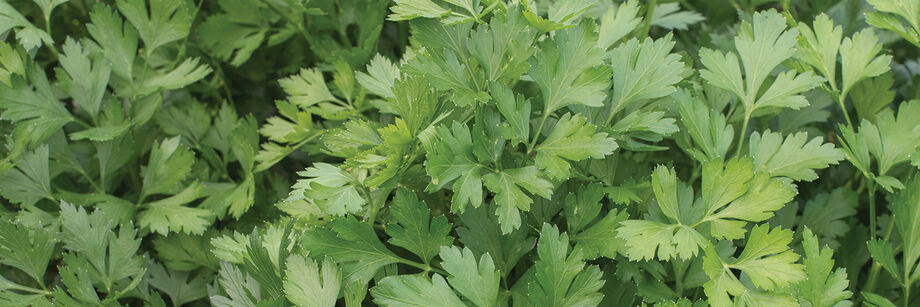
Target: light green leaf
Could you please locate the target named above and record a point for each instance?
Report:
(761, 46)
(411, 9)
(186, 73)
(819, 47)
(617, 22)
(415, 290)
(792, 157)
(307, 283)
(669, 16)
(478, 283)
(707, 128)
(380, 76)
(332, 189)
(860, 59)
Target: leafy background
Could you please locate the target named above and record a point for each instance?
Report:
(459, 153)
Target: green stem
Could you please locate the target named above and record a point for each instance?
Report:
(741, 134)
(538, 132)
(375, 206)
(846, 114)
(649, 12)
(426, 268)
(876, 266)
(872, 216)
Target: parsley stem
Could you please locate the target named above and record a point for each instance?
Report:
(872, 217)
(649, 12)
(843, 106)
(742, 133)
(539, 131)
(877, 266)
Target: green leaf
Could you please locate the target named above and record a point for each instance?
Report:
(883, 253)
(26, 248)
(446, 73)
(887, 18)
(333, 190)
(450, 159)
(761, 47)
(906, 211)
(892, 141)
(380, 76)
(600, 239)
(875, 300)
(792, 157)
(860, 59)
(165, 21)
(561, 277)
(35, 110)
(353, 245)
(111, 256)
(562, 14)
(27, 34)
(503, 46)
(766, 260)
(84, 78)
(570, 70)
(411, 9)
(872, 95)
(415, 290)
(826, 214)
(509, 197)
(30, 181)
(707, 128)
(618, 22)
(117, 38)
(176, 284)
(183, 252)
(644, 237)
(186, 73)
(515, 110)
(235, 33)
(167, 167)
(240, 289)
(416, 231)
(823, 286)
(572, 138)
(170, 215)
(307, 283)
(738, 195)
(819, 47)
(307, 88)
(478, 283)
(669, 16)
(482, 234)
